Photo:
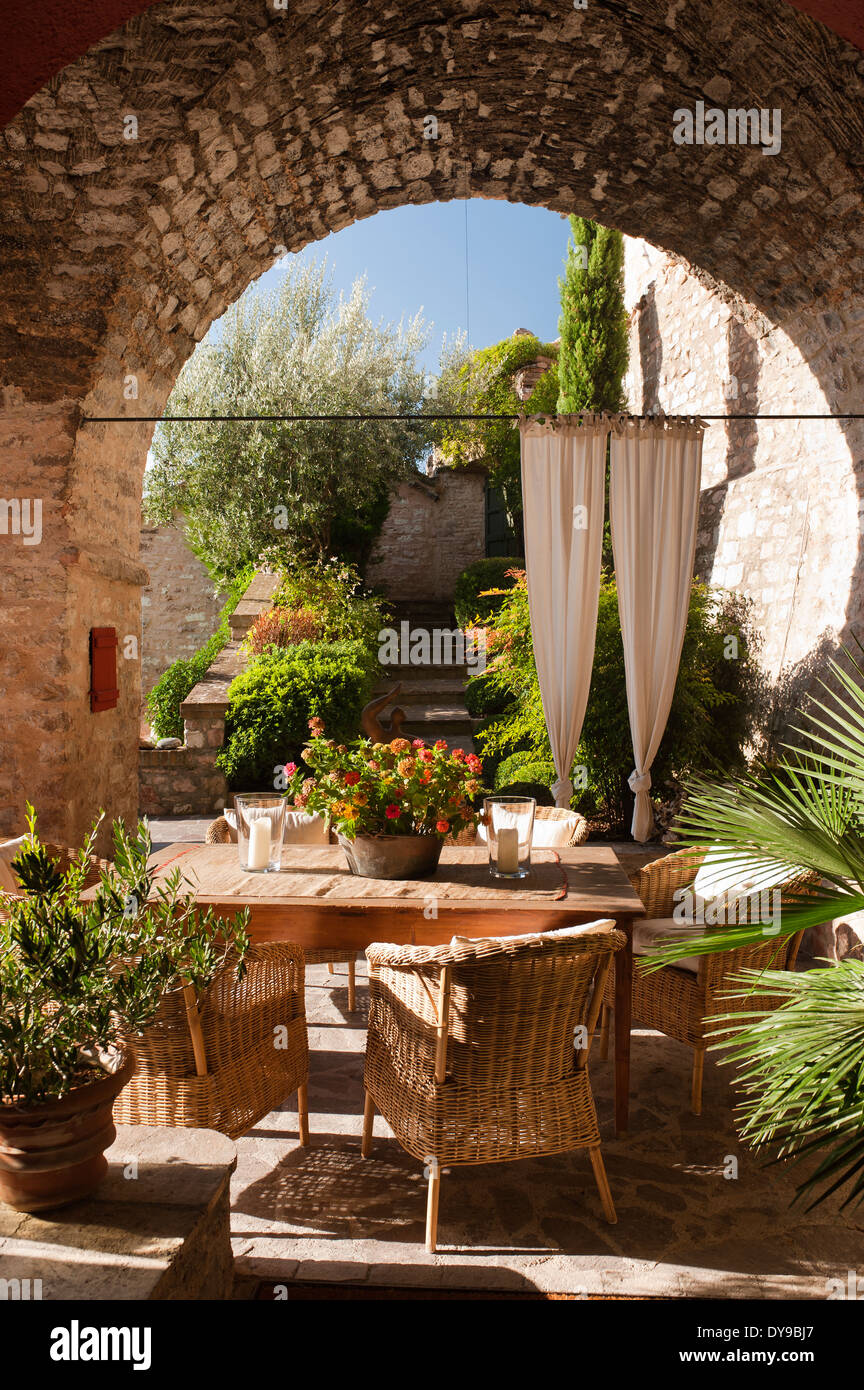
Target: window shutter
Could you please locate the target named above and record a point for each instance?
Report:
(103, 669)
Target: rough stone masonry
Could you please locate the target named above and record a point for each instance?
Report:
(150, 181)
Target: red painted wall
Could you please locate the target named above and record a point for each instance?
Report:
(39, 37)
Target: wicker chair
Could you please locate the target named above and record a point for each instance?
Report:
(676, 1001)
(470, 1050)
(219, 832)
(226, 1061)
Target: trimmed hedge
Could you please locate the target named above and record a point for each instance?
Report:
(473, 581)
(272, 701)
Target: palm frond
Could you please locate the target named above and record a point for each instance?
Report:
(801, 1070)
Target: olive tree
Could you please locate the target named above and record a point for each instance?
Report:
(301, 485)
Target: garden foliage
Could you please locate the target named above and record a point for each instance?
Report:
(712, 716)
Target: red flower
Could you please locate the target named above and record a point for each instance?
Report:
(290, 769)
(458, 755)
(417, 743)
(441, 743)
(443, 826)
(474, 763)
(393, 812)
(427, 755)
(351, 779)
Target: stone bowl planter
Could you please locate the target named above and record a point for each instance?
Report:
(54, 1152)
(392, 856)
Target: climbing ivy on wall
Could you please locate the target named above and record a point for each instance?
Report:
(485, 386)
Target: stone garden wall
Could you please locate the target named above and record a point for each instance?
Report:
(179, 606)
(781, 500)
(185, 781)
(434, 529)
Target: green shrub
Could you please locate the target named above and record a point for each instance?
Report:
(334, 591)
(717, 700)
(483, 700)
(473, 581)
(169, 692)
(272, 701)
(522, 767)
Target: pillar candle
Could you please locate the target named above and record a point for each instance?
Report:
(259, 843)
(508, 850)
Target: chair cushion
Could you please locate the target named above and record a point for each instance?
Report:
(552, 833)
(9, 851)
(650, 934)
(720, 874)
(557, 934)
(301, 828)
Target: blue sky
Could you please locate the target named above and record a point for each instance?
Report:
(414, 258)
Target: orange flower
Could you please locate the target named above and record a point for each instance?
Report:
(399, 745)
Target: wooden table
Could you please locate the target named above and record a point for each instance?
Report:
(318, 903)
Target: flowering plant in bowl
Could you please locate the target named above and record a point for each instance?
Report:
(377, 795)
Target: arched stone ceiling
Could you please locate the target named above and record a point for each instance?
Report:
(257, 129)
(39, 40)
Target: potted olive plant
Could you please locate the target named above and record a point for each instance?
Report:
(78, 976)
(392, 804)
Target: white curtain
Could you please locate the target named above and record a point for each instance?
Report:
(563, 478)
(654, 510)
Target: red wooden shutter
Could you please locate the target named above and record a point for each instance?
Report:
(103, 668)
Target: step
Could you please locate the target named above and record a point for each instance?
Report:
(420, 721)
(434, 671)
(423, 692)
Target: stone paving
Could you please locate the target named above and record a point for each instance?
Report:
(684, 1229)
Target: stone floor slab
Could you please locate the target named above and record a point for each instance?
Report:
(685, 1229)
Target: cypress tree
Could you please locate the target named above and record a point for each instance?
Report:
(593, 325)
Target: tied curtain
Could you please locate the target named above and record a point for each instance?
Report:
(654, 510)
(563, 495)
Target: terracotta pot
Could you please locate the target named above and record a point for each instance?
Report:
(392, 856)
(53, 1152)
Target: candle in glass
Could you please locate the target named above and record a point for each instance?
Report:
(508, 849)
(259, 843)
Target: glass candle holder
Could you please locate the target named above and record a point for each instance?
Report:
(509, 827)
(260, 832)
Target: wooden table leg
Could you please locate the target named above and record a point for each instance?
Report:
(623, 1010)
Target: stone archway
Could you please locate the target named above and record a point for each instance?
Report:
(153, 178)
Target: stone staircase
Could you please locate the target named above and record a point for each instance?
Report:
(433, 694)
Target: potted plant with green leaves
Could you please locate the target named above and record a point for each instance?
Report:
(80, 973)
(392, 804)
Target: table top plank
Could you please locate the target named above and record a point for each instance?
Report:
(565, 882)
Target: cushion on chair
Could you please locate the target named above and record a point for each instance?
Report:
(9, 851)
(560, 932)
(301, 828)
(719, 874)
(650, 935)
(548, 833)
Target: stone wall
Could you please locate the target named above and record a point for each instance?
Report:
(781, 500)
(434, 529)
(186, 781)
(180, 607)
